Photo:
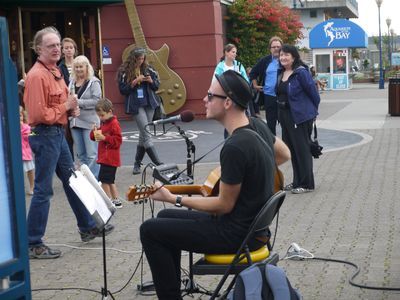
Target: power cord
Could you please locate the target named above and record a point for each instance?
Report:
(96, 248)
(295, 252)
(111, 294)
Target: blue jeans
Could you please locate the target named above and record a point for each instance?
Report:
(85, 148)
(52, 155)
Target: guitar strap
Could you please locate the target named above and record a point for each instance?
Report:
(280, 179)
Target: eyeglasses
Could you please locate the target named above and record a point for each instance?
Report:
(276, 47)
(211, 95)
(53, 46)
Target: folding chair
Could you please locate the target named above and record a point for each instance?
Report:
(235, 263)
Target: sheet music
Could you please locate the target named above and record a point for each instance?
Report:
(89, 175)
(92, 196)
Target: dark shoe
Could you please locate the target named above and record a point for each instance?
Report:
(151, 151)
(43, 252)
(95, 232)
(140, 152)
(136, 168)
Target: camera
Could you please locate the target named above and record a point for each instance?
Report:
(146, 73)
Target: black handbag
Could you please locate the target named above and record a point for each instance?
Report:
(315, 147)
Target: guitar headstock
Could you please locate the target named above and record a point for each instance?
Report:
(139, 192)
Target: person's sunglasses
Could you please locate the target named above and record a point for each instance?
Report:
(211, 95)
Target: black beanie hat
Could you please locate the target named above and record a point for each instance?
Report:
(236, 87)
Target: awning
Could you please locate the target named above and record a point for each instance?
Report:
(58, 3)
(338, 33)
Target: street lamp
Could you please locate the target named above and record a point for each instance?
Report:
(381, 81)
(392, 39)
(388, 22)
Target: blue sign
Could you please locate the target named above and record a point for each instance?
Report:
(106, 51)
(340, 82)
(396, 59)
(338, 33)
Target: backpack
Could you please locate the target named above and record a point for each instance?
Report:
(263, 281)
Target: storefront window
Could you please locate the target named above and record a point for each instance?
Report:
(322, 63)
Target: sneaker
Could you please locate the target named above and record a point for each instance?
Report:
(288, 187)
(301, 190)
(136, 168)
(95, 232)
(43, 252)
(117, 203)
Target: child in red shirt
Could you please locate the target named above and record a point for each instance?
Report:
(110, 139)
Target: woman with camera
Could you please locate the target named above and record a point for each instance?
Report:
(138, 82)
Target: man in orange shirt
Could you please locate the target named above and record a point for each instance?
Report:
(48, 104)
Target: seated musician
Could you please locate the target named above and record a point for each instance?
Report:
(217, 224)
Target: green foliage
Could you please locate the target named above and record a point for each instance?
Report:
(251, 23)
(365, 64)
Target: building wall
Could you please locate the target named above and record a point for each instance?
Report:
(191, 28)
(308, 24)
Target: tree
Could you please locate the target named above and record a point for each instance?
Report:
(251, 23)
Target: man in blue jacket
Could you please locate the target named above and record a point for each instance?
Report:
(265, 73)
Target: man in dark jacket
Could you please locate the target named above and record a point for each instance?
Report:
(265, 73)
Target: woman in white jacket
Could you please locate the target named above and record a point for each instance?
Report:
(88, 89)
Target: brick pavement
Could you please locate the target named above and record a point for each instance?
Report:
(352, 215)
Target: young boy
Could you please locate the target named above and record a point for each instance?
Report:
(110, 138)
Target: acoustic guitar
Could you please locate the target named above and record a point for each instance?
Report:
(209, 188)
(172, 89)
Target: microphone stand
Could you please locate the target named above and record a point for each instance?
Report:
(190, 286)
(190, 149)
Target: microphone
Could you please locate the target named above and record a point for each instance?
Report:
(72, 89)
(185, 116)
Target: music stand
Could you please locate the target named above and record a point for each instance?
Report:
(96, 201)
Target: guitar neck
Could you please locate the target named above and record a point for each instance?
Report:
(134, 20)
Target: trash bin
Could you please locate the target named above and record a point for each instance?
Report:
(394, 96)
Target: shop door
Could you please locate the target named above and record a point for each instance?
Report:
(70, 23)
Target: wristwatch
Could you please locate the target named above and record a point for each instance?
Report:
(178, 201)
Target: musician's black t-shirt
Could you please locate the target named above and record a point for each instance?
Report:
(262, 129)
(247, 159)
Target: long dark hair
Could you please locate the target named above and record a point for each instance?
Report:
(129, 65)
(296, 55)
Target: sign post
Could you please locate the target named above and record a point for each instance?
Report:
(14, 262)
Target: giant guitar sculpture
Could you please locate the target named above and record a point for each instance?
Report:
(172, 89)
